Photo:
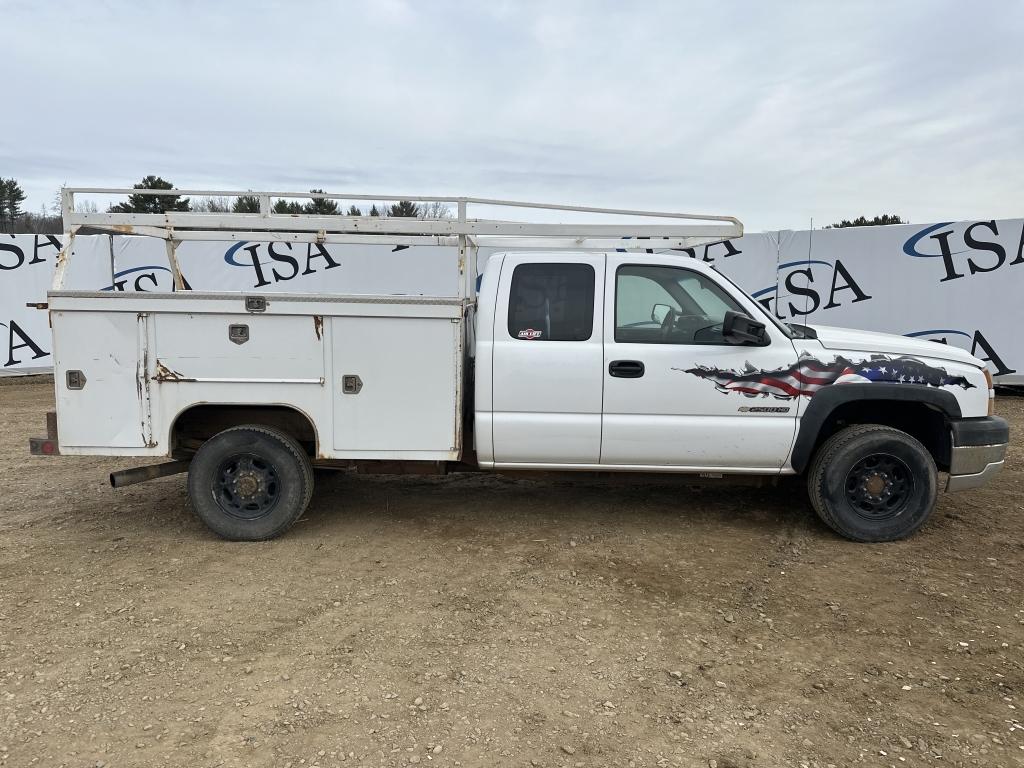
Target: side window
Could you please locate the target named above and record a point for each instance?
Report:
(637, 298)
(668, 305)
(551, 302)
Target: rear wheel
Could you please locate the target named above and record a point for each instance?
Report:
(873, 483)
(250, 483)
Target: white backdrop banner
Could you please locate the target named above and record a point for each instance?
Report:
(957, 283)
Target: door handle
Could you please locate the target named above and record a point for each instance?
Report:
(626, 369)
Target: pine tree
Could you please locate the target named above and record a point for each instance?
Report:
(246, 204)
(353, 211)
(15, 197)
(405, 208)
(11, 198)
(286, 206)
(321, 206)
(374, 211)
(3, 203)
(152, 203)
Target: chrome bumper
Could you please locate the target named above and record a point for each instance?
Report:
(979, 448)
(974, 479)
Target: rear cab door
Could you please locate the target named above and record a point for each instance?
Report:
(547, 359)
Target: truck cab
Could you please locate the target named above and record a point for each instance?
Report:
(658, 363)
(586, 362)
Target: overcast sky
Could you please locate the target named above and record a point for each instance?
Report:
(773, 112)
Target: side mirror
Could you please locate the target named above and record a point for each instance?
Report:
(738, 328)
(659, 312)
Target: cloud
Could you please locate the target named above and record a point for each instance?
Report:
(775, 113)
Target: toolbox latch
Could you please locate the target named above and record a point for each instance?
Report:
(239, 333)
(75, 380)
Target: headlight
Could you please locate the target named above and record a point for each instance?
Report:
(991, 391)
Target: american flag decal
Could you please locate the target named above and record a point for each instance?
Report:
(808, 375)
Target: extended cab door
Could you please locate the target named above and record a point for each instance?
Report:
(548, 359)
(676, 393)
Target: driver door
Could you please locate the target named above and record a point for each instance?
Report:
(662, 406)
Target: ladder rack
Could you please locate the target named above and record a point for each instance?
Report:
(669, 230)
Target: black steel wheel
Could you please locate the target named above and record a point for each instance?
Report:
(879, 487)
(869, 482)
(250, 483)
(247, 486)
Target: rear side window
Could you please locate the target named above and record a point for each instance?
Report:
(551, 302)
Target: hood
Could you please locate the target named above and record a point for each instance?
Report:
(839, 339)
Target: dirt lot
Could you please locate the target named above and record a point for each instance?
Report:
(480, 621)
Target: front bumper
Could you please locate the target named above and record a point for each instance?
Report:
(979, 449)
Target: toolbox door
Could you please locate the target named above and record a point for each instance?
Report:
(100, 379)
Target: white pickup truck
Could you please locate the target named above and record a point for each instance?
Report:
(582, 347)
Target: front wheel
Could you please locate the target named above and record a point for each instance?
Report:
(250, 483)
(873, 483)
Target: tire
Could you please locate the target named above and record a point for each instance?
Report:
(873, 483)
(250, 483)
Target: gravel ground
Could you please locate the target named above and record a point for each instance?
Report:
(478, 620)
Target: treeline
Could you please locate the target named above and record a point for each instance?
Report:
(251, 204)
(14, 220)
(862, 221)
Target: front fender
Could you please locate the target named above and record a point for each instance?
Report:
(827, 399)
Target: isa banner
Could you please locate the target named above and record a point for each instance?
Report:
(954, 283)
(957, 283)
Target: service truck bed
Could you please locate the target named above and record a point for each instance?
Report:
(127, 365)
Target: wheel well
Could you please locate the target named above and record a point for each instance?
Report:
(195, 425)
(920, 420)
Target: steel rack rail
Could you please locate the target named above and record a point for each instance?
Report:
(669, 230)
